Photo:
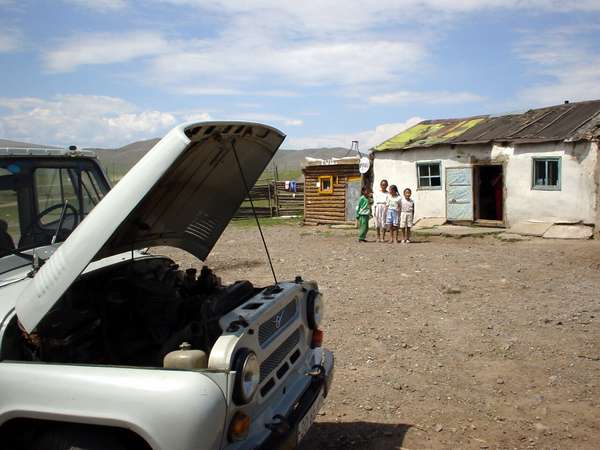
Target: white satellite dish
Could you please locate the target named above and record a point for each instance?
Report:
(364, 164)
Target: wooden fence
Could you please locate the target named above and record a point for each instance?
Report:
(289, 203)
(273, 199)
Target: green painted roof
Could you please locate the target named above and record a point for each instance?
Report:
(428, 133)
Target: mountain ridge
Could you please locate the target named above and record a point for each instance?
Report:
(117, 161)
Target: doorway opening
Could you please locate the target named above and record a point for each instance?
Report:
(489, 198)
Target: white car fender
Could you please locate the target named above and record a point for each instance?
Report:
(169, 409)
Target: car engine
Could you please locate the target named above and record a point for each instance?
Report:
(133, 314)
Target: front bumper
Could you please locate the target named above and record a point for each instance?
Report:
(284, 435)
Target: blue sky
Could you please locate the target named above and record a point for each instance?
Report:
(108, 72)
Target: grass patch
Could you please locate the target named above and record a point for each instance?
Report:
(265, 222)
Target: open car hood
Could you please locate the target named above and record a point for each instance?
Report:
(182, 193)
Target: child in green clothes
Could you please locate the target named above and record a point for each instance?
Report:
(363, 211)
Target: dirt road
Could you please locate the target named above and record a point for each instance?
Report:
(445, 343)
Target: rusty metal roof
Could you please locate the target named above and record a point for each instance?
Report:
(430, 132)
(566, 122)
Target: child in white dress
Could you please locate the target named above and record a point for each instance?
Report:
(379, 205)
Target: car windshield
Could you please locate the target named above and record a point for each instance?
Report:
(42, 200)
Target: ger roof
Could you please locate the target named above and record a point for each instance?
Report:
(566, 122)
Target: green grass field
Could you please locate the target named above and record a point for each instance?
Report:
(266, 222)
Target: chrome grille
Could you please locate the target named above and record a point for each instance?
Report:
(277, 322)
(277, 357)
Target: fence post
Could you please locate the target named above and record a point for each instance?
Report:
(270, 206)
(276, 195)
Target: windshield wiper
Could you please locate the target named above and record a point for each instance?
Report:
(60, 221)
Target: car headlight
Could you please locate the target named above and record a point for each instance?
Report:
(247, 376)
(314, 309)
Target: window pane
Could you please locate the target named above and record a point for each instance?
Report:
(539, 172)
(434, 169)
(552, 173)
(436, 181)
(54, 187)
(10, 231)
(424, 182)
(423, 170)
(90, 191)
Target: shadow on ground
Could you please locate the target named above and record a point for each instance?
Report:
(357, 435)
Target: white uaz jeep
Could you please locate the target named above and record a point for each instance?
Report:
(89, 319)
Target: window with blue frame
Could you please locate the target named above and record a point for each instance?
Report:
(546, 173)
(429, 175)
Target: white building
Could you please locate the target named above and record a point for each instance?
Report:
(541, 165)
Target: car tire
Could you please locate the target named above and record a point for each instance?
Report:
(77, 437)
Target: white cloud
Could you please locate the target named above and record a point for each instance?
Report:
(324, 17)
(196, 116)
(11, 37)
(100, 5)
(85, 120)
(565, 57)
(313, 63)
(367, 139)
(268, 118)
(433, 97)
(207, 91)
(8, 42)
(102, 48)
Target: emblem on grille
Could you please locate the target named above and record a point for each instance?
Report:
(277, 320)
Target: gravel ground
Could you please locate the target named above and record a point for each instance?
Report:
(468, 343)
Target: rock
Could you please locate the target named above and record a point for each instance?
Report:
(451, 290)
(499, 381)
(512, 237)
(569, 232)
(438, 428)
(429, 222)
(540, 427)
(530, 228)
(369, 408)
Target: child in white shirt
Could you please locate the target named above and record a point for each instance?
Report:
(392, 212)
(407, 213)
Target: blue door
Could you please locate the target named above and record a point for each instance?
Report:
(459, 193)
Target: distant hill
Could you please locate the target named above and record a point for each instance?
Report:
(288, 162)
(17, 144)
(118, 161)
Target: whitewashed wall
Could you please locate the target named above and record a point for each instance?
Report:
(576, 199)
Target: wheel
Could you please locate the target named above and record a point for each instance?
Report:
(77, 437)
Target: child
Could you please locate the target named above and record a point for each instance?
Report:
(407, 212)
(362, 214)
(379, 199)
(392, 212)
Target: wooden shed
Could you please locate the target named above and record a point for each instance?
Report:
(331, 190)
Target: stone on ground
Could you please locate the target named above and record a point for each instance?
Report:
(512, 237)
(429, 222)
(530, 228)
(569, 232)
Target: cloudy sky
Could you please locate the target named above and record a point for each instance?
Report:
(108, 72)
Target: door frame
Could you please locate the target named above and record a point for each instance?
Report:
(349, 179)
(488, 222)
